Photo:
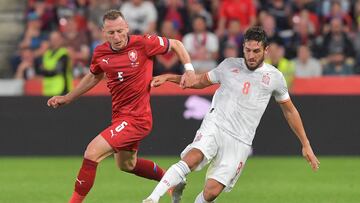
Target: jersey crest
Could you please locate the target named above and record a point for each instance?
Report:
(266, 79)
(133, 55)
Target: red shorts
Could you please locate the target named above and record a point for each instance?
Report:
(126, 133)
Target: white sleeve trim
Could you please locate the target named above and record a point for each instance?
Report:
(212, 78)
(282, 98)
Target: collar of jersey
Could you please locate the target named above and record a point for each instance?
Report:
(114, 50)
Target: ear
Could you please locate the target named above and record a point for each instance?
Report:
(103, 32)
(266, 49)
(127, 27)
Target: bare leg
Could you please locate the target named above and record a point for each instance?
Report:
(97, 150)
(129, 162)
(211, 191)
(126, 160)
(177, 172)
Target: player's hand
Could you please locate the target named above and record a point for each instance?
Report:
(57, 101)
(188, 79)
(310, 157)
(158, 80)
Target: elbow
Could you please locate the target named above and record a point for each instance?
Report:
(175, 44)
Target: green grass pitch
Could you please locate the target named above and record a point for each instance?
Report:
(264, 180)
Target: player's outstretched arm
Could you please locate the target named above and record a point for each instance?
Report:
(293, 118)
(201, 80)
(188, 78)
(86, 83)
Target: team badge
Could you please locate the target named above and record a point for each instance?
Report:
(198, 137)
(235, 70)
(133, 55)
(266, 79)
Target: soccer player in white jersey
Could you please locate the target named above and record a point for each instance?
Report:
(228, 129)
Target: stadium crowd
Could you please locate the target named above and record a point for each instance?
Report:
(308, 38)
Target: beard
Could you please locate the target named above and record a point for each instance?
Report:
(256, 65)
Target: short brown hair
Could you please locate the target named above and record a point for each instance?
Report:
(112, 15)
(256, 33)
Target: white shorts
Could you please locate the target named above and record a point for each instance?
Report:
(226, 154)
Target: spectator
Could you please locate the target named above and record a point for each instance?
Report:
(141, 16)
(97, 8)
(337, 41)
(197, 8)
(64, 10)
(357, 42)
(203, 46)
(169, 62)
(56, 67)
(33, 39)
(241, 10)
(46, 13)
(77, 43)
(304, 34)
(305, 65)
(276, 58)
(339, 13)
(310, 5)
(26, 68)
(96, 37)
(81, 14)
(281, 10)
(337, 65)
(268, 23)
(231, 50)
(175, 12)
(233, 37)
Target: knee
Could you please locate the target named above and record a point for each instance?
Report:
(210, 195)
(91, 154)
(193, 158)
(127, 166)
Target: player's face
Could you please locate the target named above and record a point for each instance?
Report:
(254, 53)
(116, 32)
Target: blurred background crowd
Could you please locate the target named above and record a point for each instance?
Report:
(308, 38)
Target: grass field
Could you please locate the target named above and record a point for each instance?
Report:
(264, 180)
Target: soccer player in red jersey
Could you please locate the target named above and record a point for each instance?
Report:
(126, 60)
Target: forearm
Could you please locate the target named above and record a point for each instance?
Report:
(201, 80)
(86, 83)
(173, 78)
(294, 120)
(180, 51)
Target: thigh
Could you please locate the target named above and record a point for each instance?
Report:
(98, 149)
(124, 135)
(204, 142)
(226, 167)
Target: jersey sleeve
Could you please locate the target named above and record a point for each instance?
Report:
(280, 92)
(155, 45)
(95, 64)
(216, 74)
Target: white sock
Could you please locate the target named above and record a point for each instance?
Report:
(173, 176)
(200, 198)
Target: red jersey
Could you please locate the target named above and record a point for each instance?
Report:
(241, 10)
(129, 73)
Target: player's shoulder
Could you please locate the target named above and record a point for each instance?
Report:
(270, 68)
(101, 49)
(146, 38)
(233, 62)
(273, 71)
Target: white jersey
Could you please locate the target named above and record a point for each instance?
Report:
(243, 95)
